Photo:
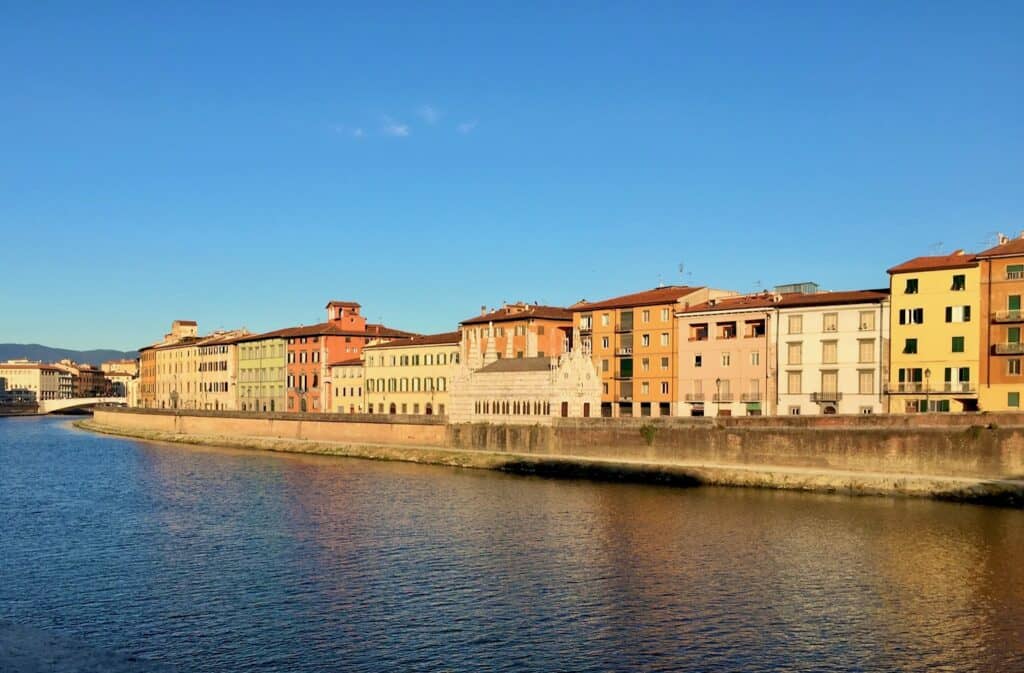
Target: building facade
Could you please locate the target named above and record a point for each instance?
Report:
(27, 380)
(193, 372)
(633, 341)
(936, 334)
(261, 373)
(1001, 272)
(347, 387)
(833, 350)
(522, 330)
(411, 375)
(522, 391)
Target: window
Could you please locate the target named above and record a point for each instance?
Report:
(664, 338)
(1013, 302)
(645, 364)
(911, 316)
(664, 387)
(664, 363)
(1014, 271)
(830, 352)
(959, 282)
(645, 339)
(830, 382)
(796, 324)
(794, 353)
(755, 358)
(645, 316)
(865, 382)
(793, 382)
(645, 388)
(866, 350)
(698, 360)
(1013, 335)
(664, 314)
(540, 330)
(910, 346)
(604, 342)
(1013, 366)
(958, 344)
(1013, 399)
(958, 314)
(829, 322)
(726, 359)
(604, 365)
(794, 411)
(911, 287)
(604, 319)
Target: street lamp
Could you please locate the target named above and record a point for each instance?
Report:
(718, 397)
(927, 387)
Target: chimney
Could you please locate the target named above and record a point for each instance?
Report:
(483, 309)
(1022, 233)
(1004, 239)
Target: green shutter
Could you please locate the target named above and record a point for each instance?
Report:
(1013, 302)
(1013, 335)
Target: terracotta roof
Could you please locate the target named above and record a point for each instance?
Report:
(330, 328)
(186, 322)
(830, 298)
(957, 260)
(1012, 248)
(538, 364)
(346, 363)
(746, 301)
(335, 302)
(49, 368)
(424, 340)
(668, 294)
(511, 312)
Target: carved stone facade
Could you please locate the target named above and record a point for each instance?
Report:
(532, 390)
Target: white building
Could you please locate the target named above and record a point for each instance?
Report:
(833, 352)
(39, 380)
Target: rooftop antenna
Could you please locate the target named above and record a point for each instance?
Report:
(936, 248)
(661, 283)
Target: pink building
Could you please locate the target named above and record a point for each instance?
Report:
(726, 359)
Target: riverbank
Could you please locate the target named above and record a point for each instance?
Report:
(994, 491)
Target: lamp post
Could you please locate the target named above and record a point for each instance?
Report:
(718, 397)
(927, 388)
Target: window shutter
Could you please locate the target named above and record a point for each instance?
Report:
(967, 314)
(949, 314)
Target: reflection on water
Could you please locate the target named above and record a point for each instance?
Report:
(219, 560)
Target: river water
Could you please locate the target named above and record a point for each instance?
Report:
(222, 560)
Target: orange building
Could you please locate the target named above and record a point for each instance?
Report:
(633, 343)
(521, 330)
(1001, 382)
(311, 348)
(147, 377)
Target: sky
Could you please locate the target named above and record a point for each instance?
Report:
(240, 164)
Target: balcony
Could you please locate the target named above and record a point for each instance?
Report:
(750, 397)
(623, 327)
(625, 350)
(959, 387)
(830, 396)
(1012, 348)
(694, 397)
(1008, 316)
(947, 388)
(1014, 275)
(723, 397)
(586, 329)
(905, 387)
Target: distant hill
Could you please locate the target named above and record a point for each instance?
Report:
(48, 354)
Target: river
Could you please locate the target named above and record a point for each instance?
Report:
(211, 559)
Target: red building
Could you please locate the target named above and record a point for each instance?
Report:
(310, 348)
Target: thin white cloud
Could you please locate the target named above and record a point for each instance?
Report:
(351, 131)
(429, 114)
(467, 127)
(395, 129)
(358, 133)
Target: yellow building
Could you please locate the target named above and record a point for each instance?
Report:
(198, 372)
(346, 380)
(633, 343)
(411, 375)
(935, 334)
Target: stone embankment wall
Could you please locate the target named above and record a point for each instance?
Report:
(955, 446)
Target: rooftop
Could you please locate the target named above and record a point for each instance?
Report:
(521, 311)
(538, 364)
(668, 294)
(956, 260)
(1007, 247)
(446, 338)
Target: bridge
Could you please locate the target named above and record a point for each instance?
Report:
(51, 406)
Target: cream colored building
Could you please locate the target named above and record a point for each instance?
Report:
(524, 391)
(346, 380)
(41, 381)
(833, 350)
(130, 367)
(198, 372)
(410, 375)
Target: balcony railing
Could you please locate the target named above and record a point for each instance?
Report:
(1014, 275)
(905, 387)
(750, 397)
(969, 387)
(1008, 316)
(694, 397)
(829, 396)
(626, 350)
(586, 329)
(959, 387)
(1012, 348)
(723, 397)
(623, 327)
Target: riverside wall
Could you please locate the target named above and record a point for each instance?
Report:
(938, 455)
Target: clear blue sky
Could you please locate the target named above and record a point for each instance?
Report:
(242, 164)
